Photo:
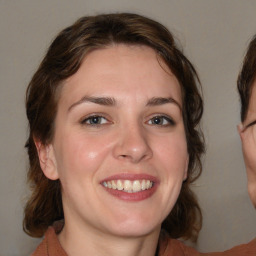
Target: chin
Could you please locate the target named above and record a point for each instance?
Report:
(135, 228)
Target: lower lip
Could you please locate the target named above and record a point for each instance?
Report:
(137, 196)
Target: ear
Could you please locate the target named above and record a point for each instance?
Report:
(186, 170)
(47, 160)
(240, 129)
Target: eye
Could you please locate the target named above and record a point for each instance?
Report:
(94, 120)
(161, 121)
(251, 124)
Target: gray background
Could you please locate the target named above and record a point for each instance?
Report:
(214, 35)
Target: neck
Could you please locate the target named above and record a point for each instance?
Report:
(77, 242)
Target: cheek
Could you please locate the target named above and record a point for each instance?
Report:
(172, 154)
(80, 154)
(173, 160)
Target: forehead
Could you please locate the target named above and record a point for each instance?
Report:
(121, 69)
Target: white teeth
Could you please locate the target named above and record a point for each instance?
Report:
(113, 184)
(128, 185)
(119, 185)
(143, 185)
(148, 184)
(136, 186)
(109, 184)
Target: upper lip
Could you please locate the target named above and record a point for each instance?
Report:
(131, 176)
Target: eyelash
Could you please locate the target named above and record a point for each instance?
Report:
(251, 124)
(168, 121)
(90, 119)
(163, 121)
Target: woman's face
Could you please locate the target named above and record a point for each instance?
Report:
(248, 137)
(119, 147)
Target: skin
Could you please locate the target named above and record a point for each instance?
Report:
(247, 133)
(128, 139)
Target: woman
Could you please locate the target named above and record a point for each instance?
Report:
(246, 85)
(114, 141)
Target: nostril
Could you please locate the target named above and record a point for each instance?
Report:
(133, 149)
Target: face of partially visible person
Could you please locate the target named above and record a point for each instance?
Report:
(248, 138)
(119, 147)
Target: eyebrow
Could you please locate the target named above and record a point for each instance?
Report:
(104, 101)
(108, 101)
(157, 101)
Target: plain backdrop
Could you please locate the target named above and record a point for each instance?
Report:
(214, 35)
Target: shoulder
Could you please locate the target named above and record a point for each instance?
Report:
(240, 250)
(41, 250)
(173, 247)
(50, 246)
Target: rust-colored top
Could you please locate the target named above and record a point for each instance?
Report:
(240, 250)
(51, 246)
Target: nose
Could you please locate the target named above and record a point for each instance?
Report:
(132, 145)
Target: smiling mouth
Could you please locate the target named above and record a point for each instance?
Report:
(129, 186)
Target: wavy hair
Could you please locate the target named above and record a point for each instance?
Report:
(247, 77)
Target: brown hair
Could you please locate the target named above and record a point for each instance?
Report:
(62, 60)
(247, 77)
